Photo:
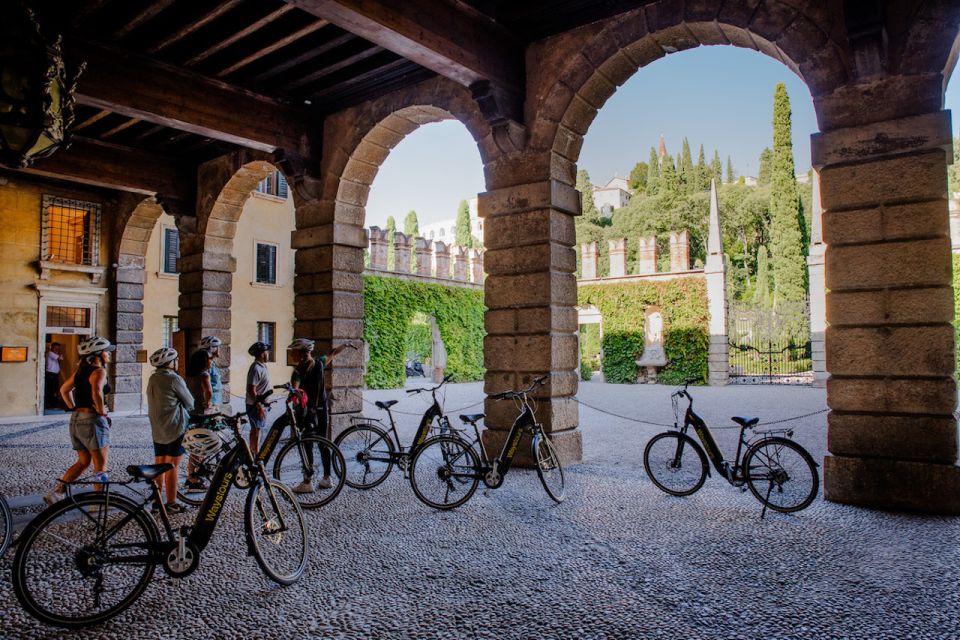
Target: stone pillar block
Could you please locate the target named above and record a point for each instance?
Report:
(589, 261)
(378, 249)
(618, 257)
(476, 265)
(401, 252)
(679, 251)
(424, 256)
(441, 260)
(647, 255)
(461, 266)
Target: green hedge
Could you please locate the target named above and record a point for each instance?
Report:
(389, 307)
(686, 318)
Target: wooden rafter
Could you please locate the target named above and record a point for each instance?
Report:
(92, 120)
(359, 78)
(293, 61)
(154, 8)
(367, 52)
(123, 126)
(195, 25)
(274, 46)
(239, 35)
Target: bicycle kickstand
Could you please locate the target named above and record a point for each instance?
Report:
(763, 512)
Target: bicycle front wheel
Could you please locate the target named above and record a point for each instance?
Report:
(6, 526)
(548, 466)
(781, 474)
(300, 465)
(276, 531)
(368, 455)
(444, 472)
(84, 560)
(675, 463)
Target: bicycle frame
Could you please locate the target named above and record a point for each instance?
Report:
(434, 411)
(723, 467)
(494, 471)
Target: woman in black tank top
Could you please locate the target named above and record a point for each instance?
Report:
(89, 424)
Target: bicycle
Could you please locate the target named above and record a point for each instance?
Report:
(449, 466)
(6, 525)
(371, 453)
(780, 473)
(99, 549)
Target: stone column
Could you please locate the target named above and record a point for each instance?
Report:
(424, 256)
(618, 257)
(128, 336)
(531, 297)
(891, 431)
(715, 269)
(329, 297)
(679, 251)
(589, 261)
(461, 269)
(441, 260)
(476, 265)
(818, 292)
(378, 249)
(647, 255)
(401, 252)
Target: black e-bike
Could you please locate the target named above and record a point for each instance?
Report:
(88, 557)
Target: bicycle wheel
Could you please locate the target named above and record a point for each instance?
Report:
(675, 463)
(444, 472)
(368, 455)
(296, 468)
(202, 469)
(276, 532)
(548, 466)
(6, 526)
(781, 474)
(84, 560)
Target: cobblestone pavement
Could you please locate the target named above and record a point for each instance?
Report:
(618, 559)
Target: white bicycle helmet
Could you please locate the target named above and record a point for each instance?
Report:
(302, 344)
(162, 356)
(201, 442)
(95, 345)
(210, 342)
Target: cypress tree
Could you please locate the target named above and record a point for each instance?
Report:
(731, 176)
(766, 167)
(716, 167)
(687, 177)
(669, 183)
(653, 172)
(411, 228)
(703, 173)
(391, 252)
(786, 228)
(585, 187)
(462, 234)
(761, 295)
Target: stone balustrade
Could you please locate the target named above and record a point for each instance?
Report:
(450, 264)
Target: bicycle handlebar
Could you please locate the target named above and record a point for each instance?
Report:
(504, 395)
(447, 378)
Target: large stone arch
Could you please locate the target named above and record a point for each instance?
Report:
(207, 261)
(878, 95)
(330, 206)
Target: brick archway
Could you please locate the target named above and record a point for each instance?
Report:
(330, 236)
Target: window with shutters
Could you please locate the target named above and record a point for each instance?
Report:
(267, 332)
(274, 185)
(171, 250)
(171, 324)
(266, 263)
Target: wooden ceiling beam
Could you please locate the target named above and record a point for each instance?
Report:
(293, 61)
(195, 25)
(92, 120)
(273, 46)
(152, 10)
(123, 126)
(238, 35)
(436, 34)
(140, 88)
(368, 52)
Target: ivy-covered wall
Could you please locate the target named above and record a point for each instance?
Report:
(389, 307)
(956, 306)
(686, 317)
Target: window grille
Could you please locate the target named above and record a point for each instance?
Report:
(266, 263)
(171, 324)
(171, 249)
(267, 332)
(71, 231)
(274, 185)
(74, 317)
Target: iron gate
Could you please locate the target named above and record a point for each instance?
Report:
(770, 346)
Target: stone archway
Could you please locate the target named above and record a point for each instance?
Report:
(878, 98)
(330, 236)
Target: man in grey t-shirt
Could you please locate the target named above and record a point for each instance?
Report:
(258, 383)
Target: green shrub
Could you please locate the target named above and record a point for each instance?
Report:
(585, 371)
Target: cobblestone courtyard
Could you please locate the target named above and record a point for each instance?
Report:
(618, 559)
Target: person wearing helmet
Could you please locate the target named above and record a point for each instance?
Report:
(308, 376)
(168, 404)
(84, 393)
(211, 344)
(199, 380)
(258, 384)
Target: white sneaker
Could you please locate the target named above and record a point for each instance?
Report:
(324, 483)
(52, 498)
(304, 487)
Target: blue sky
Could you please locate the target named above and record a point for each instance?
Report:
(721, 97)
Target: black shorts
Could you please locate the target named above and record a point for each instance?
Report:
(173, 449)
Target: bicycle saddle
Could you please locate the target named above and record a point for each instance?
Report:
(148, 471)
(472, 418)
(745, 422)
(387, 404)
